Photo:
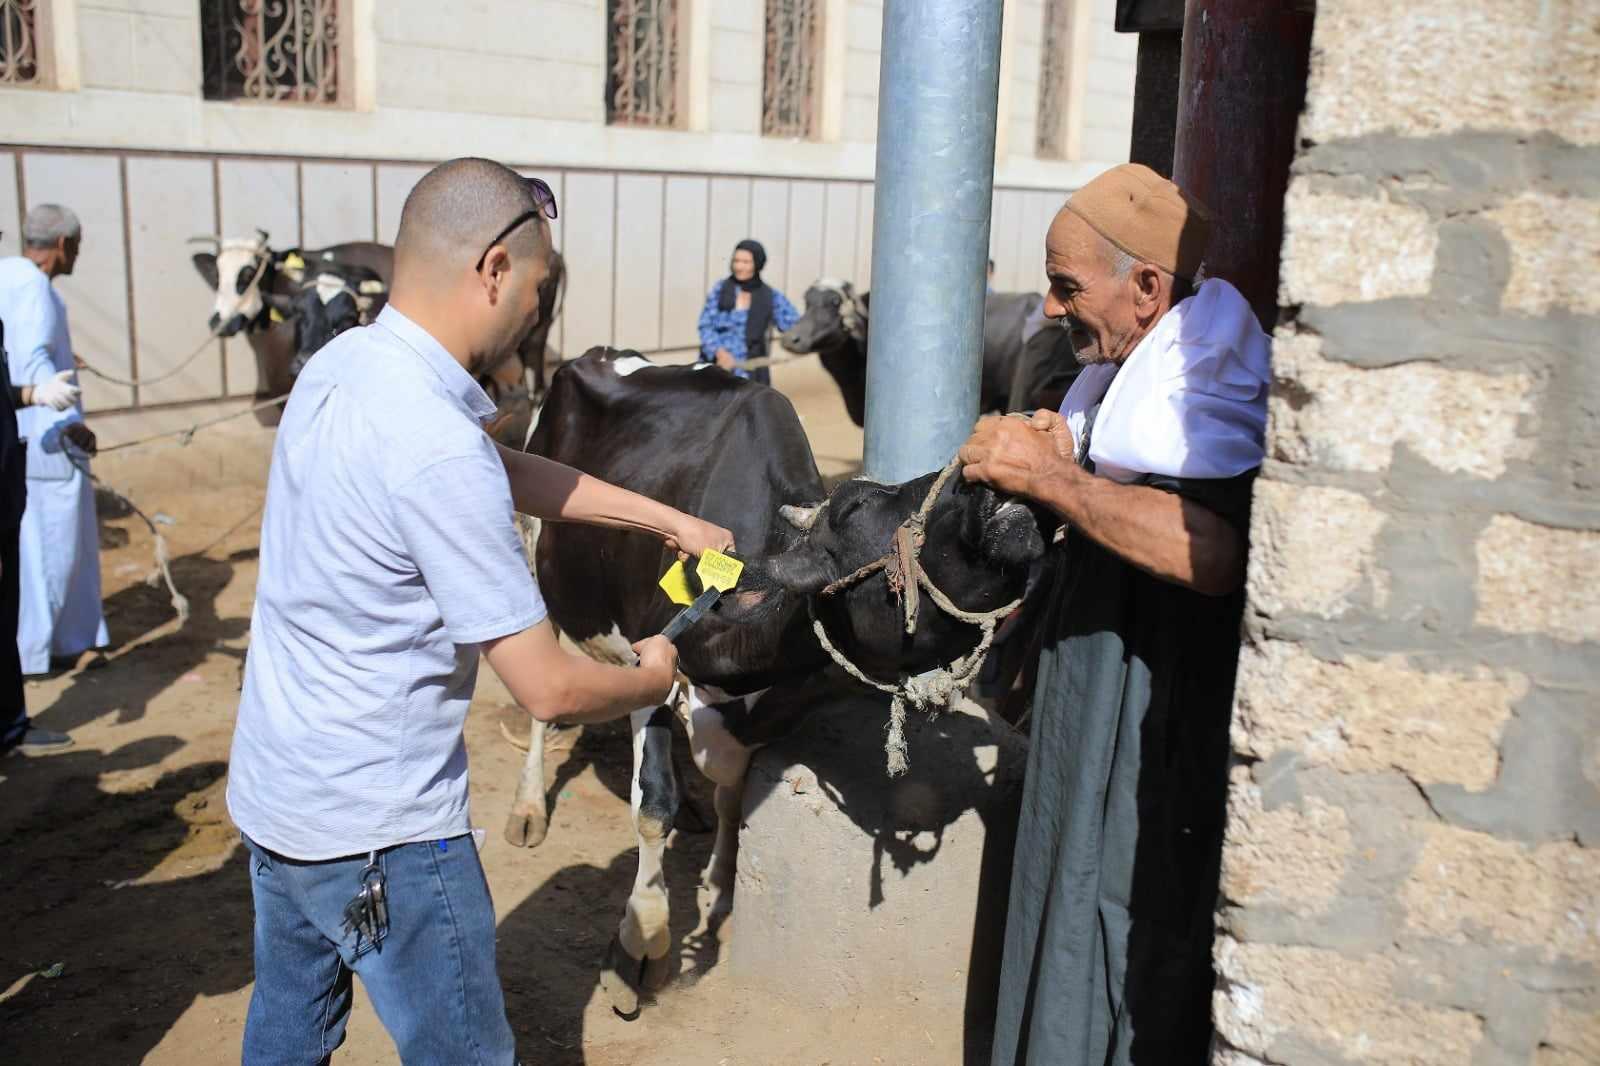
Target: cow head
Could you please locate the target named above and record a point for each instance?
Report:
(834, 325)
(977, 550)
(328, 306)
(236, 271)
(833, 316)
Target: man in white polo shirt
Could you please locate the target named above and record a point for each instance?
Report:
(389, 562)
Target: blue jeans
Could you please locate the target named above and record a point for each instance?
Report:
(432, 979)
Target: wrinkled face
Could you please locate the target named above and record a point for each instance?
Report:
(70, 247)
(822, 325)
(743, 265)
(978, 549)
(1086, 296)
(233, 273)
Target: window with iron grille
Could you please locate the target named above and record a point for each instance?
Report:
(19, 42)
(1055, 61)
(788, 89)
(279, 50)
(642, 63)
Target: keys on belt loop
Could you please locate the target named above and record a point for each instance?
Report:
(367, 915)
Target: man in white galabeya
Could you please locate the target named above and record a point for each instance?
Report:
(389, 563)
(60, 613)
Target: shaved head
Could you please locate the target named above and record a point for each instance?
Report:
(456, 210)
(473, 249)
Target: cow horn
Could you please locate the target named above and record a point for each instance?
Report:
(801, 518)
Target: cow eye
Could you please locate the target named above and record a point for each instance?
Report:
(242, 282)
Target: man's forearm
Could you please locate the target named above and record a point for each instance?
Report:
(552, 491)
(1160, 532)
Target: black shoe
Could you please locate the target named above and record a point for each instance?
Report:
(42, 740)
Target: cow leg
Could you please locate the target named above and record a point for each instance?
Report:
(723, 759)
(638, 955)
(529, 821)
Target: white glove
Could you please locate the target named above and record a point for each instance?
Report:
(57, 393)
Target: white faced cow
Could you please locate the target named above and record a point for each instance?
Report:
(833, 579)
(289, 302)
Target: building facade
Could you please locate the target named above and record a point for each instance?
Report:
(669, 129)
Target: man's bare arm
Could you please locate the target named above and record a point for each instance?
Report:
(558, 686)
(554, 492)
(1162, 533)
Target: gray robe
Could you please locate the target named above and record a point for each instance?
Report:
(1108, 938)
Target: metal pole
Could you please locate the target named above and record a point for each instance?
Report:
(937, 97)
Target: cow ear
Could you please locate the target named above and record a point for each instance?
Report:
(804, 570)
(206, 264)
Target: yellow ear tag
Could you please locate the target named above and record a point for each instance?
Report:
(715, 570)
(675, 583)
(719, 571)
(274, 315)
(292, 261)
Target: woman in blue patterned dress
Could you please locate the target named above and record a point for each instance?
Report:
(740, 311)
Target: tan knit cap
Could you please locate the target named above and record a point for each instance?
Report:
(1146, 216)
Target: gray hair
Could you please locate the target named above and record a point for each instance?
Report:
(1121, 262)
(48, 223)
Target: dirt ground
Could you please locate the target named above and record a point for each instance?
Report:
(123, 884)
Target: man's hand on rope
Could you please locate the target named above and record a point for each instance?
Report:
(82, 436)
(58, 393)
(726, 360)
(1013, 455)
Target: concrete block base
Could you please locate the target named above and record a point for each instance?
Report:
(857, 892)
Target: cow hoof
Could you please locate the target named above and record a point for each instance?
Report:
(525, 831)
(621, 977)
(656, 973)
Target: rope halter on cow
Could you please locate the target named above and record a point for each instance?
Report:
(932, 691)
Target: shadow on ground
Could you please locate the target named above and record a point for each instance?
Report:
(141, 896)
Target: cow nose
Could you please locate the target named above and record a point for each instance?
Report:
(216, 320)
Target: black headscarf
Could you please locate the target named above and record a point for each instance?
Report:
(755, 326)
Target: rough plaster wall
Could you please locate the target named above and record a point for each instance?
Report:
(1412, 871)
(142, 45)
(863, 43)
(550, 61)
(1108, 88)
(738, 56)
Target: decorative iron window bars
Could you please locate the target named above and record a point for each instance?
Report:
(642, 63)
(19, 42)
(1055, 60)
(788, 88)
(286, 50)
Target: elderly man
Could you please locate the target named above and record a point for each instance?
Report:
(389, 562)
(1149, 463)
(60, 614)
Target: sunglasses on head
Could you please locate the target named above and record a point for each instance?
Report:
(544, 203)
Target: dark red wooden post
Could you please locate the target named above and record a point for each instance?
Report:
(1241, 88)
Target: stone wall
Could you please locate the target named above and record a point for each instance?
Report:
(1411, 872)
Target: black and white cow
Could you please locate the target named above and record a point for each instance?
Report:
(1027, 361)
(734, 452)
(262, 293)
